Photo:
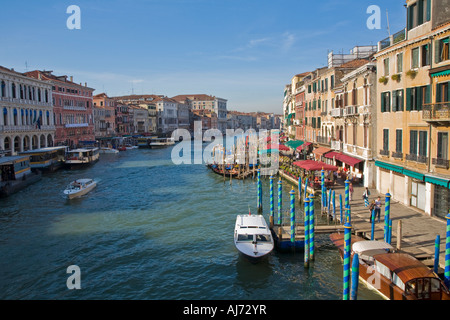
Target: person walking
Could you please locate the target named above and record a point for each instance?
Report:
(378, 208)
(366, 195)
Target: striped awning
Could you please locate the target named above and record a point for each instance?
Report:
(443, 182)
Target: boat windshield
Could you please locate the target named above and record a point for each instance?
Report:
(245, 237)
(262, 238)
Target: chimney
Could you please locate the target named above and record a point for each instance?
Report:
(71, 78)
(85, 84)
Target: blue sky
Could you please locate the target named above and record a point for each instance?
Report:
(241, 50)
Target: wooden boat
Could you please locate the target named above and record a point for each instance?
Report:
(81, 157)
(79, 187)
(396, 276)
(252, 237)
(46, 159)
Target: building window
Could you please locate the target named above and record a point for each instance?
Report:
(442, 145)
(415, 58)
(385, 102)
(425, 53)
(423, 143)
(399, 140)
(386, 66)
(418, 13)
(397, 100)
(386, 140)
(442, 94)
(399, 63)
(413, 142)
(416, 97)
(441, 50)
(3, 89)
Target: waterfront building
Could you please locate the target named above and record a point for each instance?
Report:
(241, 120)
(124, 120)
(355, 122)
(298, 83)
(184, 115)
(413, 71)
(104, 116)
(73, 109)
(27, 119)
(140, 124)
(208, 119)
(288, 112)
(207, 102)
(167, 112)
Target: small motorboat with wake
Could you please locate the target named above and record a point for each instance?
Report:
(79, 187)
(252, 236)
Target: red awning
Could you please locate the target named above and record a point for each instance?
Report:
(303, 146)
(351, 161)
(321, 150)
(280, 147)
(315, 165)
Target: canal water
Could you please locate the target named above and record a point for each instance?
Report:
(150, 230)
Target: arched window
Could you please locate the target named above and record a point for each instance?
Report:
(48, 118)
(21, 89)
(39, 94)
(13, 90)
(5, 116)
(15, 117)
(3, 89)
(46, 96)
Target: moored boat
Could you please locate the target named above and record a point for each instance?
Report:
(79, 187)
(16, 174)
(46, 159)
(395, 276)
(106, 150)
(161, 142)
(81, 157)
(252, 237)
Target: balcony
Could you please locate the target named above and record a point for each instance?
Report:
(364, 110)
(384, 152)
(436, 112)
(76, 125)
(74, 108)
(337, 145)
(25, 128)
(397, 155)
(442, 163)
(351, 111)
(416, 158)
(323, 140)
(337, 112)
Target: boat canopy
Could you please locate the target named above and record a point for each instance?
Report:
(361, 247)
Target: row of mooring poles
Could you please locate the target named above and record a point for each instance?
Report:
(309, 247)
(350, 292)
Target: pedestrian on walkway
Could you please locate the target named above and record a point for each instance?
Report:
(366, 195)
(350, 189)
(378, 208)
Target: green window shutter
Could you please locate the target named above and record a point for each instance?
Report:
(401, 100)
(428, 10)
(394, 100)
(438, 93)
(382, 102)
(437, 51)
(420, 13)
(409, 18)
(419, 91)
(428, 94)
(408, 99)
(448, 91)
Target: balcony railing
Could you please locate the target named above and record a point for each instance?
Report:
(416, 158)
(398, 155)
(351, 110)
(25, 128)
(384, 152)
(444, 163)
(436, 111)
(323, 140)
(337, 112)
(337, 145)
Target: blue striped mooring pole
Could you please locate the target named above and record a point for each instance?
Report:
(447, 253)
(258, 187)
(355, 277)
(306, 223)
(347, 249)
(387, 215)
(272, 209)
(311, 228)
(340, 205)
(280, 198)
(299, 189)
(437, 248)
(372, 235)
(334, 205)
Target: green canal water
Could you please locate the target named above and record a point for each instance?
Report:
(150, 230)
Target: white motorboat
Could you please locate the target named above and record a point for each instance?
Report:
(252, 236)
(161, 142)
(105, 150)
(79, 187)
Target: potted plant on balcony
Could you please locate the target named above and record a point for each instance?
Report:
(383, 79)
(396, 77)
(411, 73)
